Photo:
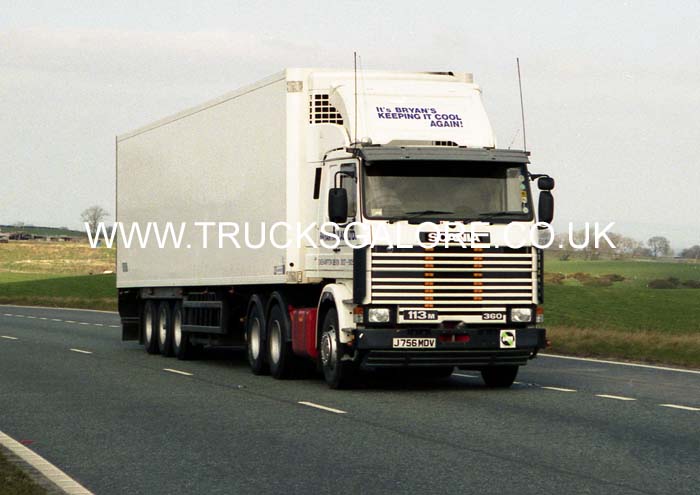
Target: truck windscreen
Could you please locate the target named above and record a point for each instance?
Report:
(446, 190)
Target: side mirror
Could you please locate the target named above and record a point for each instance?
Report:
(545, 207)
(338, 205)
(545, 183)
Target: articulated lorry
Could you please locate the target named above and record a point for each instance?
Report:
(356, 221)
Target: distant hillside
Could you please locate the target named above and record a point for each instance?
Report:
(47, 231)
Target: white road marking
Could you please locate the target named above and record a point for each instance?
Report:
(319, 406)
(98, 324)
(56, 319)
(80, 351)
(43, 318)
(8, 314)
(114, 326)
(605, 361)
(62, 309)
(70, 321)
(560, 389)
(465, 375)
(30, 317)
(616, 397)
(685, 408)
(8, 337)
(19, 316)
(177, 371)
(83, 323)
(61, 479)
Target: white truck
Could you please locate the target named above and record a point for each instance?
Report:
(354, 220)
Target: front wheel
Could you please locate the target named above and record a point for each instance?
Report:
(337, 373)
(499, 376)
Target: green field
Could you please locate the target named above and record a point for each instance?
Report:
(57, 274)
(627, 319)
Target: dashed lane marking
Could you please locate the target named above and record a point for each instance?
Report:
(676, 406)
(560, 389)
(614, 397)
(170, 370)
(324, 408)
(465, 375)
(8, 337)
(80, 351)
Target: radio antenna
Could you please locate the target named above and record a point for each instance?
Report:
(354, 54)
(522, 107)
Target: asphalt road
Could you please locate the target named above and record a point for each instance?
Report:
(118, 422)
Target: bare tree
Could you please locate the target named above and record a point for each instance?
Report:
(93, 216)
(659, 246)
(692, 252)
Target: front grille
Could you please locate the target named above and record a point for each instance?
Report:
(459, 283)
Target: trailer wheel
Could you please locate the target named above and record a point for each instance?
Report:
(182, 347)
(499, 376)
(165, 329)
(254, 335)
(338, 374)
(148, 324)
(280, 355)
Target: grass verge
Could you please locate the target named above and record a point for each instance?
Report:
(648, 346)
(85, 291)
(13, 481)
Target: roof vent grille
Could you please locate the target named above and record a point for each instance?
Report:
(322, 112)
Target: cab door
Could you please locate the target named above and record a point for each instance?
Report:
(335, 257)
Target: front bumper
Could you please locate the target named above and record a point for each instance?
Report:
(375, 348)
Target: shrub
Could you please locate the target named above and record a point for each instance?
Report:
(691, 284)
(554, 278)
(663, 283)
(597, 282)
(613, 277)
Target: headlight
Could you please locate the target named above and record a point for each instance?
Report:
(378, 315)
(521, 315)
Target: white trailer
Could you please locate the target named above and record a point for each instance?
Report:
(248, 184)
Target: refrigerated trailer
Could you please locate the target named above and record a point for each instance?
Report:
(356, 221)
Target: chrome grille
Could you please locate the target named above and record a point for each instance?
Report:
(459, 283)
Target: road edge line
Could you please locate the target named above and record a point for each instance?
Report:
(620, 363)
(50, 472)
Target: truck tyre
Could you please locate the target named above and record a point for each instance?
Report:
(499, 376)
(165, 329)
(255, 336)
(337, 373)
(280, 355)
(182, 347)
(148, 324)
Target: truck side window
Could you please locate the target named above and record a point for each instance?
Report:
(348, 183)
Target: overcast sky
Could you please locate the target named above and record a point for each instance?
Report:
(612, 89)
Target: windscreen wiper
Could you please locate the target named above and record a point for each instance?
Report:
(416, 214)
(495, 214)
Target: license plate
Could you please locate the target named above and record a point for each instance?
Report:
(418, 315)
(414, 343)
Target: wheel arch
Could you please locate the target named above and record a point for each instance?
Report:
(334, 296)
